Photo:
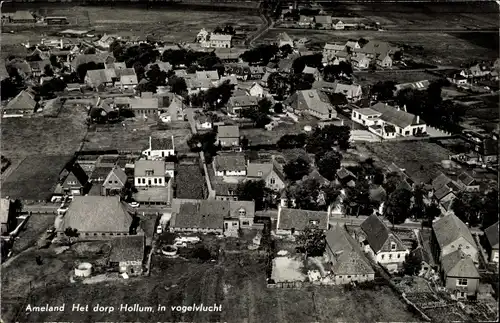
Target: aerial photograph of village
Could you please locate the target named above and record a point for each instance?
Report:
(249, 161)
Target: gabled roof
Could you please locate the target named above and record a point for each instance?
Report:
(119, 72)
(465, 179)
(440, 181)
(345, 254)
(420, 85)
(127, 248)
(22, 15)
(228, 132)
(343, 173)
(450, 228)
(220, 37)
(243, 101)
(310, 70)
(97, 214)
(377, 233)
(492, 235)
(157, 166)
(284, 37)
(202, 214)
(87, 58)
(117, 172)
(259, 170)
(230, 162)
(285, 65)
(312, 100)
(378, 193)
(144, 103)
(397, 117)
(128, 79)
(23, 101)
(207, 75)
(101, 76)
(349, 90)
(325, 20)
(162, 143)
(299, 219)
(458, 264)
(442, 192)
(236, 206)
(335, 47)
(77, 171)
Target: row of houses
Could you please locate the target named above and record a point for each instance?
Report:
(360, 54)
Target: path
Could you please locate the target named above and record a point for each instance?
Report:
(268, 25)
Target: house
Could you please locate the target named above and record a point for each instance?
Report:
(337, 24)
(284, 39)
(467, 183)
(144, 106)
(345, 176)
(361, 62)
(38, 67)
(301, 43)
(228, 136)
(149, 173)
(285, 65)
(127, 254)
(73, 179)
(160, 148)
(305, 21)
(244, 211)
(128, 81)
(313, 102)
(22, 17)
(347, 261)
(114, 182)
(312, 71)
(256, 72)
(217, 41)
(459, 274)
(230, 165)
(256, 90)
(212, 76)
(374, 48)
(491, 234)
(384, 60)
(225, 191)
(203, 122)
(269, 173)
(451, 234)
(175, 110)
(7, 216)
(22, 104)
(381, 244)
(457, 79)
(323, 22)
(106, 40)
(477, 70)
(352, 44)
(352, 92)
(330, 51)
(101, 77)
(96, 217)
(380, 115)
(419, 86)
(237, 104)
(202, 35)
(294, 221)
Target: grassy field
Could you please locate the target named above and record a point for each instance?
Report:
(439, 48)
(37, 224)
(420, 159)
(237, 284)
(35, 178)
(366, 78)
(190, 182)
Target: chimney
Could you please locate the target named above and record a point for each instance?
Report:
(61, 44)
(418, 119)
(150, 142)
(404, 108)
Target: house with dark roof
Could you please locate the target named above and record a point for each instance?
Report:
(73, 179)
(450, 234)
(269, 173)
(7, 216)
(467, 183)
(230, 165)
(313, 102)
(22, 17)
(101, 77)
(491, 234)
(96, 217)
(114, 182)
(127, 254)
(228, 137)
(459, 274)
(382, 245)
(345, 176)
(294, 221)
(22, 104)
(323, 22)
(237, 104)
(159, 148)
(345, 257)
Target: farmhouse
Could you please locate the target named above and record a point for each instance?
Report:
(312, 71)
(203, 122)
(384, 60)
(114, 182)
(22, 104)
(294, 221)
(256, 90)
(337, 24)
(269, 173)
(228, 137)
(330, 52)
(361, 62)
(491, 234)
(106, 40)
(348, 263)
(467, 183)
(149, 173)
(381, 244)
(460, 274)
(305, 21)
(73, 179)
(352, 92)
(144, 106)
(127, 254)
(230, 165)
(95, 217)
(313, 102)
(160, 148)
(237, 104)
(102, 77)
(200, 216)
(451, 234)
(217, 41)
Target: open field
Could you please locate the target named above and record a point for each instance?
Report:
(439, 48)
(237, 284)
(48, 136)
(366, 78)
(420, 159)
(37, 225)
(35, 178)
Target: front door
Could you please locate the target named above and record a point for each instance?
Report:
(149, 182)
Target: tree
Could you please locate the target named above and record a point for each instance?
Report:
(286, 50)
(296, 169)
(300, 63)
(308, 195)
(259, 119)
(467, 206)
(72, 234)
(412, 265)
(264, 106)
(252, 191)
(278, 85)
(292, 141)
(357, 200)
(300, 82)
(157, 76)
(278, 108)
(54, 61)
(490, 208)
(312, 241)
(328, 164)
(177, 85)
(47, 70)
(432, 211)
(397, 208)
(384, 90)
(418, 209)
(146, 87)
(261, 54)
(398, 55)
(331, 193)
(89, 51)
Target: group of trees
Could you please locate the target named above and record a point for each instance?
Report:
(283, 85)
(137, 56)
(314, 60)
(254, 191)
(213, 98)
(194, 59)
(261, 54)
(12, 85)
(337, 72)
(227, 30)
(477, 209)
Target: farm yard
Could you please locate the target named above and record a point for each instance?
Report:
(420, 159)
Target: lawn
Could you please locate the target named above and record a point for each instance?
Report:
(35, 178)
(237, 284)
(420, 159)
(33, 229)
(48, 136)
(190, 182)
(366, 78)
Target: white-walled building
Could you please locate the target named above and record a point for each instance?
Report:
(230, 165)
(148, 173)
(160, 148)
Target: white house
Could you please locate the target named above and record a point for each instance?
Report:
(360, 61)
(148, 173)
(217, 41)
(256, 90)
(160, 148)
(284, 39)
(230, 165)
(106, 41)
(352, 92)
(381, 244)
(337, 24)
(384, 60)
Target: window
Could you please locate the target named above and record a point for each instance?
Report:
(393, 246)
(242, 212)
(116, 182)
(235, 223)
(340, 276)
(156, 181)
(382, 257)
(348, 276)
(110, 182)
(314, 222)
(259, 173)
(390, 256)
(143, 181)
(462, 282)
(226, 225)
(245, 223)
(272, 181)
(159, 181)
